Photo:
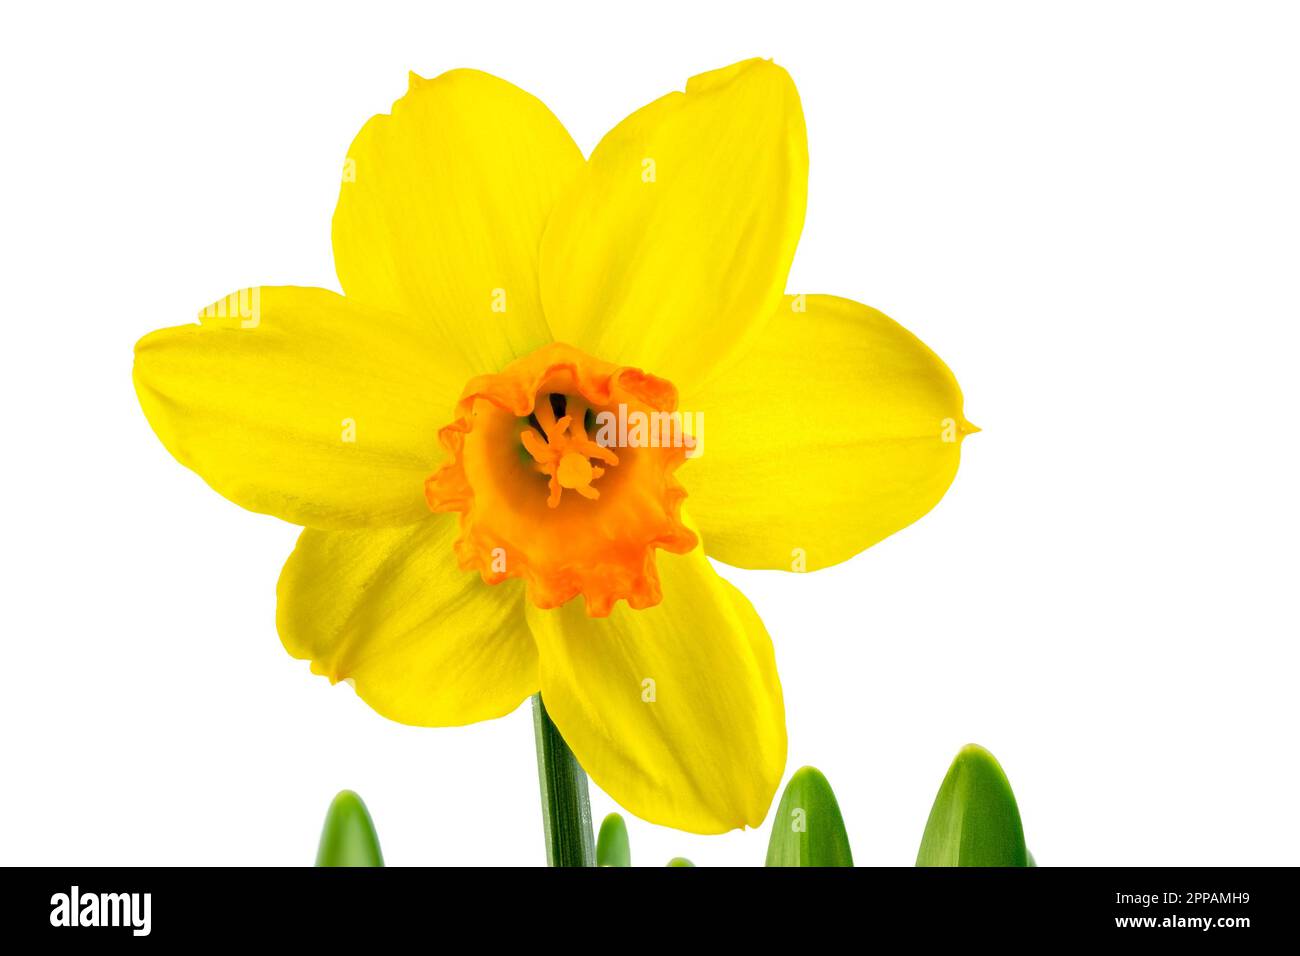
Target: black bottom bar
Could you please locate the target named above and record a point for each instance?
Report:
(1230, 907)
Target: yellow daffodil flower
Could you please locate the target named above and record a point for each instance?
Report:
(469, 537)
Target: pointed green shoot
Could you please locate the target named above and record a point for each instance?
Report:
(612, 848)
(680, 861)
(808, 829)
(348, 837)
(974, 820)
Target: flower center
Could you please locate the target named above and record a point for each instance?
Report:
(540, 498)
(563, 452)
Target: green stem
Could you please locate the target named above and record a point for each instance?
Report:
(566, 813)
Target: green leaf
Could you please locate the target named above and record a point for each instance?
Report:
(612, 848)
(808, 829)
(974, 820)
(680, 861)
(348, 837)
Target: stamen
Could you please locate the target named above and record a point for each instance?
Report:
(563, 451)
(532, 420)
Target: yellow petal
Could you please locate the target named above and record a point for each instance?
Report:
(673, 246)
(422, 641)
(836, 430)
(442, 208)
(676, 710)
(297, 403)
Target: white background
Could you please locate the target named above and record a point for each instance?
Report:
(1091, 211)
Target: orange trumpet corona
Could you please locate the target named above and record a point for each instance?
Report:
(541, 500)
